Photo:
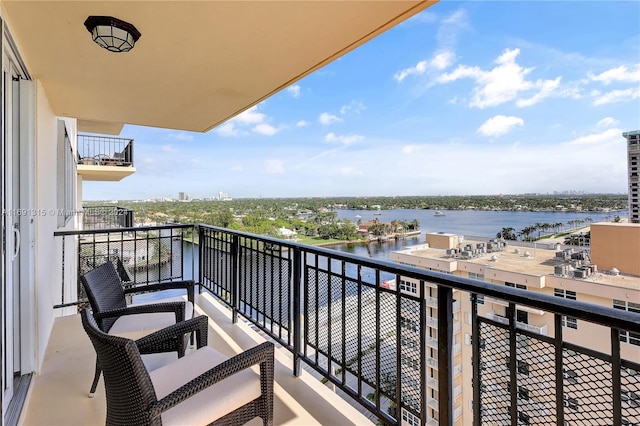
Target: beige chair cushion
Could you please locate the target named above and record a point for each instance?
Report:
(139, 325)
(211, 403)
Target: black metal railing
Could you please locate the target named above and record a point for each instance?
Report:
(106, 217)
(141, 255)
(400, 355)
(105, 151)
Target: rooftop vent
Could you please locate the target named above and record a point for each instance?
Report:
(517, 250)
(615, 271)
(527, 254)
(494, 258)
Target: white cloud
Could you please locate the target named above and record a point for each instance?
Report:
(617, 96)
(621, 74)
(503, 83)
(548, 86)
(227, 129)
(265, 129)
(302, 123)
(439, 61)
(249, 116)
(168, 148)
(410, 149)
(606, 137)
(345, 139)
(354, 106)
(348, 171)
(274, 167)
(327, 118)
(294, 90)
(607, 122)
(181, 136)
(499, 125)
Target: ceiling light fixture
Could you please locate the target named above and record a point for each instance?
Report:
(112, 33)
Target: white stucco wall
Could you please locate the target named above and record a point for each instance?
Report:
(46, 256)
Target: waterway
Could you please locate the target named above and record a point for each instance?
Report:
(462, 222)
(470, 223)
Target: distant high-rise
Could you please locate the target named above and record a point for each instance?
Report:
(633, 155)
(183, 196)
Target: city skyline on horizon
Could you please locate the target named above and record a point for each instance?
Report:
(466, 98)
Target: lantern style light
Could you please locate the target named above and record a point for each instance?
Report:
(112, 33)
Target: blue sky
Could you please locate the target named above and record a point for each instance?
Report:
(476, 98)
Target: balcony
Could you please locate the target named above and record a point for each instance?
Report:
(106, 217)
(104, 158)
(338, 328)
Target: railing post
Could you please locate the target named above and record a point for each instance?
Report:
(616, 380)
(513, 365)
(475, 364)
(297, 311)
(445, 355)
(559, 370)
(235, 277)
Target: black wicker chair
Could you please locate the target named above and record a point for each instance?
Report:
(107, 298)
(204, 387)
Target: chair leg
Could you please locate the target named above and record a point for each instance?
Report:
(96, 377)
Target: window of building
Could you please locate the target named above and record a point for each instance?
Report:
(569, 402)
(520, 286)
(475, 276)
(570, 376)
(408, 286)
(409, 343)
(522, 341)
(408, 324)
(523, 393)
(631, 398)
(410, 418)
(521, 366)
(569, 322)
(523, 418)
(409, 362)
(628, 336)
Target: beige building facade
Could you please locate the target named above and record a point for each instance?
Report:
(573, 273)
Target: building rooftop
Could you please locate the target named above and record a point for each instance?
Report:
(540, 261)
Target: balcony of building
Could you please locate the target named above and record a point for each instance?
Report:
(104, 158)
(107, 217)
(346, 335)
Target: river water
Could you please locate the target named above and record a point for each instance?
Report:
(470, 223)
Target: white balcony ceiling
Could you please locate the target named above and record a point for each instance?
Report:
(197, 64)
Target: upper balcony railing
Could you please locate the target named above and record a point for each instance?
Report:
(331, 311)
(106, 217)
(105, 151)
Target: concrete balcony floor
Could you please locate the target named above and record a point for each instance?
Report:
(58, 394)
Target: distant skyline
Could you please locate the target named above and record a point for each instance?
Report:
(475, 98)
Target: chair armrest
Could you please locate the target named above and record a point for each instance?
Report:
(150, 308)
(261, 354)
(199, 324)
(188, 285)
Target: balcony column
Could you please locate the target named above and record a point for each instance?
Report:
(445, 355)
(235, 277)
(297, 311)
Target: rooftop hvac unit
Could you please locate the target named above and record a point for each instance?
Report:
(467, 247)
(466, 254)
(561, 270)
(562, 255)
(450, 252)
(580, 255)
(580, 273)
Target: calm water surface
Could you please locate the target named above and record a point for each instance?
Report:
(478, 223)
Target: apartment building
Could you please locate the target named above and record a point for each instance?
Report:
(605, 275)
(633, 158)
